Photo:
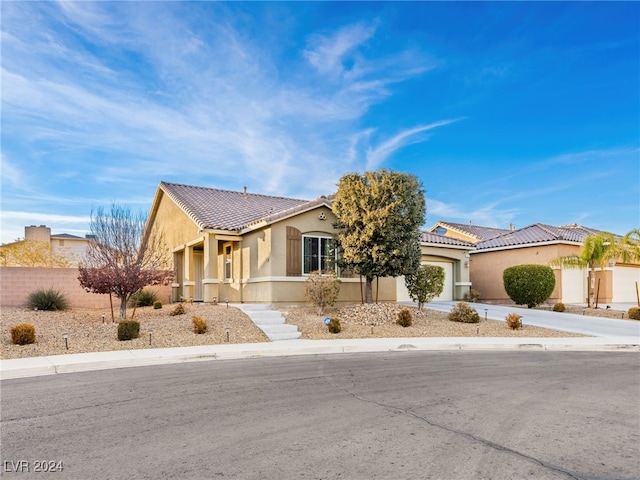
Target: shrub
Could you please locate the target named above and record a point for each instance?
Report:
(144, 298)
(463, 312)
(405, 318)
(128, 329)
(47, 300)
(529, 285)
(322, 289)
(178, 310)
(634, 313)
(425, 284)
(559, 307)
(23, 334)
(514, 321)
(157, 305)
(334, 325)
(472, 296)
(199, 324)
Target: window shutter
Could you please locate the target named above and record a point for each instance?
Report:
(294, 252)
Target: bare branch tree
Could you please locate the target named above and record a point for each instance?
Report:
(122, 257)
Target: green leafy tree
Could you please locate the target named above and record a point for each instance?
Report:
(425, 283)
(597, 251)
(122, 256)
(529, 285)
(379, 215)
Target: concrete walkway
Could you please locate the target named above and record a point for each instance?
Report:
(608, 334)
(564, 322)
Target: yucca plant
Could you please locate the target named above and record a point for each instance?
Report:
(49, 299)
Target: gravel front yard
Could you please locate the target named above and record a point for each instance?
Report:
(88, 333)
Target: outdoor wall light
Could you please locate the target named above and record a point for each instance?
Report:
(66, 340)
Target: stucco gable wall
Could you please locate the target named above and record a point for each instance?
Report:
(308, 223)
(175, 225)
(486, 268)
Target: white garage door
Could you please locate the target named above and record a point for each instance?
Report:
(624, 283)
(447, 291)
(574, 286)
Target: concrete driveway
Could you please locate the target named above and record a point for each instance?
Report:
(566, 322)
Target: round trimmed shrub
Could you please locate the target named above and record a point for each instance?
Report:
(128, 330)
(334, 325)
(559, 307)
(157, 305)
(405, 319)
(529, 285)
(465, 313)
(23, 334)
(634, 313)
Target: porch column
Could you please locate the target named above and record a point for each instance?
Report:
(211, 280)
(188, 283)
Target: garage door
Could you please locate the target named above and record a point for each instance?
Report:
(574, 286)
(624, 283)
(447, 291)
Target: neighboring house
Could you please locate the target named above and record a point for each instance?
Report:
(247, 247)
(539, 244)
(467, 232)
(452, 255)
(40, 248)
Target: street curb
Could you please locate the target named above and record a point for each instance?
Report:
(84, 362)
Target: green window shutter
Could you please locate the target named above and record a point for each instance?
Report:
(294, 252)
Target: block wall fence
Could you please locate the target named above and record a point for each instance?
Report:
(16, 283)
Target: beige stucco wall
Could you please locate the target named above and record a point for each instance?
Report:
(486, 268)
(16, 283)
(175, 225)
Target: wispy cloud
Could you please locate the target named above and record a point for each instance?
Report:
(376, 156)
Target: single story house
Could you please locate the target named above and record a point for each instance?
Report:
(253, 248)
(497, 249)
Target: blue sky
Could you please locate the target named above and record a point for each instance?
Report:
(507, 112)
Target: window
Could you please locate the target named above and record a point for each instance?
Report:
(228, 270)
(61, 243)
(319, 254)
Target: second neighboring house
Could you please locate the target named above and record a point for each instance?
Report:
(497, 249)
(247, 247)
(40, 248)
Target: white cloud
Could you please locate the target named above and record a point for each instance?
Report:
(328, 54)
(376, 156)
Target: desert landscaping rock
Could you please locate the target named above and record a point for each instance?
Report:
(87, 332)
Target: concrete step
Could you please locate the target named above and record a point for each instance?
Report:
(271, 322)
(283, 328)
(285, 336)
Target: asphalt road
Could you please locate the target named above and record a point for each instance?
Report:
(402, 415)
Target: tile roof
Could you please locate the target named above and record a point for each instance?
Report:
(228, 210)
(63, 236)
(476, 231)
(538, 233)
(428, 237)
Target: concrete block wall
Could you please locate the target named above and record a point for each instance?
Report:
(16, 283)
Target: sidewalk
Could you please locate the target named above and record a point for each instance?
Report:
(609, 335)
